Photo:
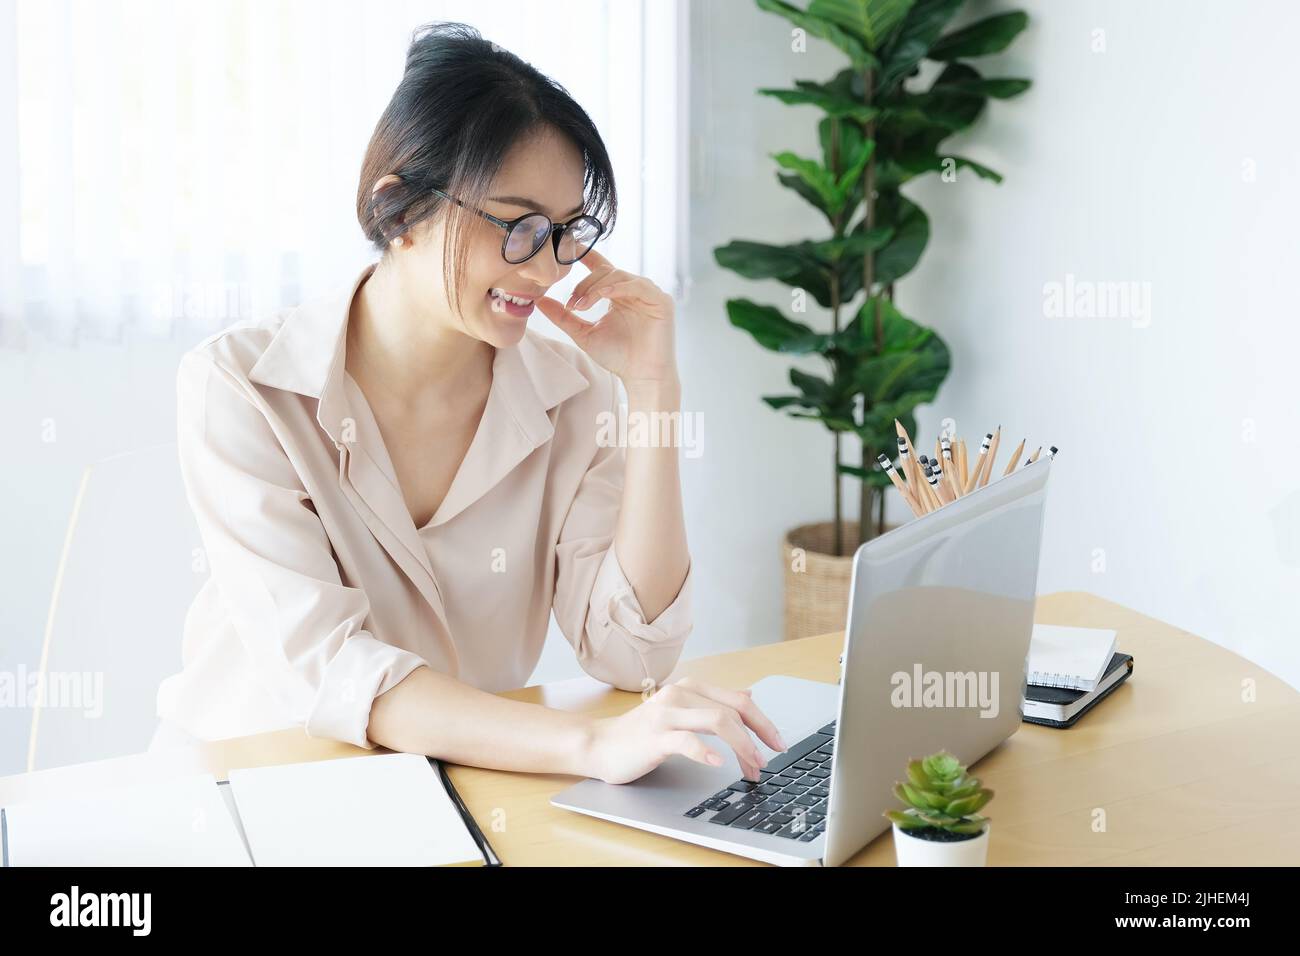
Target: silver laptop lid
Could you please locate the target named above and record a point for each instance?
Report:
(940, 615)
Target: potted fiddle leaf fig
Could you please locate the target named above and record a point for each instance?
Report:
(941, 825)
(882, 126)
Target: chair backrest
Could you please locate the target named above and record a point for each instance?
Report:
(131, 565)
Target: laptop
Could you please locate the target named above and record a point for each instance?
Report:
(940, 615)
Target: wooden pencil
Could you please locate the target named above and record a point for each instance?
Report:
(949, 466)
(1015, 457)
(979, 463)
(993, 454)
(904, 438)
(892, 472)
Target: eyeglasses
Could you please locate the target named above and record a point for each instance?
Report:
(527, 234)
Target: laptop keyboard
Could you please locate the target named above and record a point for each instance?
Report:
(790, 798)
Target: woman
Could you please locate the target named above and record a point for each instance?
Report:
(398, 484)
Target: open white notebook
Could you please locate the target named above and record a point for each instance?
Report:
(381, 810)
(385, 810)
(177, 822)
(1072, 657)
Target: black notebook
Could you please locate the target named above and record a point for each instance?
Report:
(1061, 707)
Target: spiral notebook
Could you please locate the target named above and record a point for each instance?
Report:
(1069, 657)
(1056, 707)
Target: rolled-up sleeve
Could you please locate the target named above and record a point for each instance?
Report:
(595, 605)
(272, 563)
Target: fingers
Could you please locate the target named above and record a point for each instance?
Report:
(589, 289)
(570, 324)
(593, 260)
(721, 722)
(688, 745)
(630, 288)
(743, 704)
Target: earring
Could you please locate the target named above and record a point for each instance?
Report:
(399, 241)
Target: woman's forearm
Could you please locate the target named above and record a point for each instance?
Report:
(651, 534)
(437, 715)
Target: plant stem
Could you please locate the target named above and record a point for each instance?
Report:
(838, 530)
(880, 524)
(868, 280)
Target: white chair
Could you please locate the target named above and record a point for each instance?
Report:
(131, 565)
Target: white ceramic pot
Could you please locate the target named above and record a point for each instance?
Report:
(914, 851)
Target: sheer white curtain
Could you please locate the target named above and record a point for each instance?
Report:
(167, 167)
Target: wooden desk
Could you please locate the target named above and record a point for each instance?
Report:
(1178, 767)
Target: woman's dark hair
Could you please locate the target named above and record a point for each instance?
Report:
(461, 105)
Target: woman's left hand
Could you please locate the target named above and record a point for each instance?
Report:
(634, 339)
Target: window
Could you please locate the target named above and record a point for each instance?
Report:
(169, 168)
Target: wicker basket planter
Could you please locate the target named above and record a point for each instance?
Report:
(817, 581)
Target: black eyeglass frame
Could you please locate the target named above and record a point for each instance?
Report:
(557, 229)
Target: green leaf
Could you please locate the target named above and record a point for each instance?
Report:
(815, 388)
(980, 170)
(838, 424)
(767, 325)
(758, 260)
(816, 26)
(942, 766)
(816, 176)
(851, 137)
(916, 772)
(869, 20)
(906, 371)
(879, 420)
(924, 799)
(966, 805)
(854, 244)
(786, 401)
(832, 192)
(922, 26)
(934, 114)
(1000, 88)
(911, 233)
(991, 35)
(832, 104)
(806, 344)
(851, 175)
(968, 786)
(906, 821)
(813, 197)
(908, 166)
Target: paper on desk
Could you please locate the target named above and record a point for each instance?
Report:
(385, 810)
(1073, 657)
(182, 821)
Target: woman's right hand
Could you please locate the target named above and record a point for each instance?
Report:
(629, 746)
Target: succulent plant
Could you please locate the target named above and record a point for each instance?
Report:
(940, 794)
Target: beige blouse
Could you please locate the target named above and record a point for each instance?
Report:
(324, 594)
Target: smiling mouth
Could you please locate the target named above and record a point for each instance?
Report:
(508, 304)
(502, 295)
